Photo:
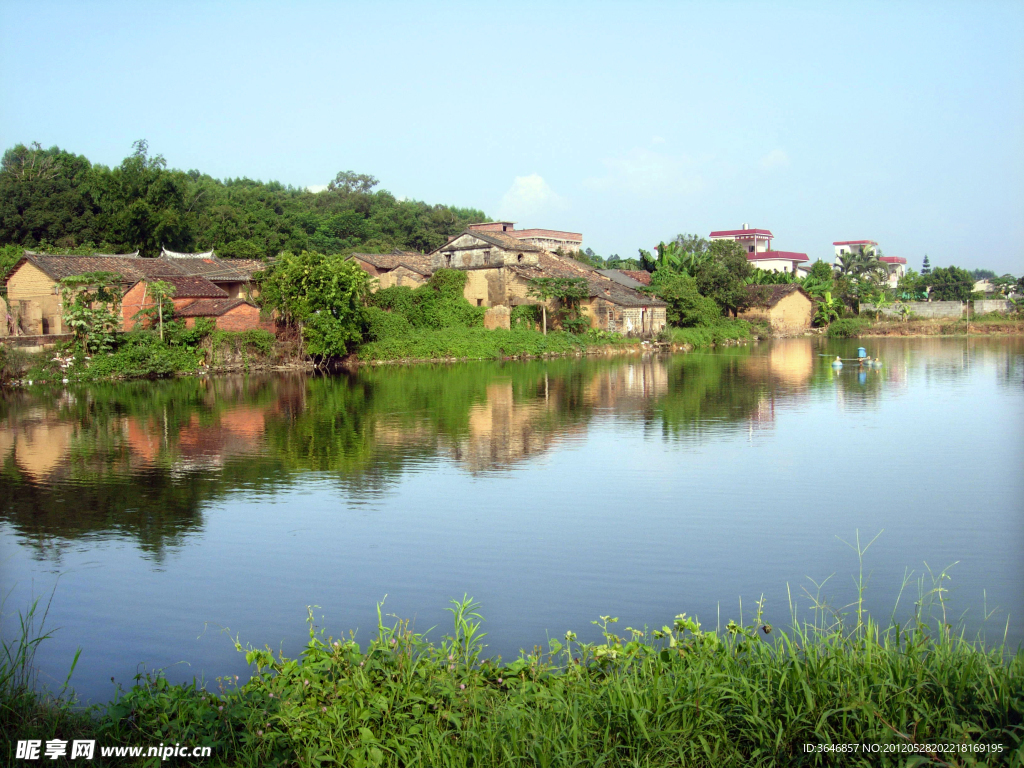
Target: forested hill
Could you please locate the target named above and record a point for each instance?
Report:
(54, 200)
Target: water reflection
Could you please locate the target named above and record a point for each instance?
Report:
(639, 486)
(141, 460)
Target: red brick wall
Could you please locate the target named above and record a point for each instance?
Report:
(244, 317)
(131, 303)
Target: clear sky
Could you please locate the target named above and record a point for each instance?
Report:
(901, 122)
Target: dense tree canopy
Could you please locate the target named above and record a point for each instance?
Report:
(50, 198)
(950, 284)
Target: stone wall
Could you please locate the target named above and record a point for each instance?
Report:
(498, 317)
(922, 309)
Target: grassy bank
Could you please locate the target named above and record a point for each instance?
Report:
(704, 336)
(676, 696)
(142, 355)
(866, 326)
(479, 343)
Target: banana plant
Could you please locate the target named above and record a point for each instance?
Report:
(828, 309)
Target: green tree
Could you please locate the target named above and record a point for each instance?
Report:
(926, 266)
(92, 303)
(569, 292)
(686, 306)
(911, 287)
(819, 279)
(950, 284)
(723, 277)
(162, 292)
(320, 294)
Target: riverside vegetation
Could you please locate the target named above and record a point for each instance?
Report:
(917, 693)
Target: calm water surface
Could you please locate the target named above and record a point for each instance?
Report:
(168, 512)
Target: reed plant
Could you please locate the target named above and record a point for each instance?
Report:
(26, 711)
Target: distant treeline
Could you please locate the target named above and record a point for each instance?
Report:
(53, 199)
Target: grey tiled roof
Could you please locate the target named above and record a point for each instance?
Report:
(621, 278)
(417, 262)
(770, 295)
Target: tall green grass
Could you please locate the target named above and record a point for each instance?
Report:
(26, 712)
(679, 695)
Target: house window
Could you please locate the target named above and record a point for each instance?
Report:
(479, 302)
(750, 249)
(519, 258)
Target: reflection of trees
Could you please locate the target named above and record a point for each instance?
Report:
(709, 391)
(141, 460)
(115, 460)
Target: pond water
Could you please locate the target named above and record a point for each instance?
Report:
(169, 517)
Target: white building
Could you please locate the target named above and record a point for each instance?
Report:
(758, 245)
(895, 266)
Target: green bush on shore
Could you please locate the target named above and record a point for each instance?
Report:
(845, 328)
(703, 336)
(433, 344)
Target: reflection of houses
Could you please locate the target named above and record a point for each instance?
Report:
(758, 245)
(635, 380)
(786, 308)
(789, 361)
(39, 446)
(199, 442)
(502, 431)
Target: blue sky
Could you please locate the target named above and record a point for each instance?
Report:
(901, 122)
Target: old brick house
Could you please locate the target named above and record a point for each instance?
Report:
(396, 268)
(787, 308)
(36, 304)
(500, 267)
(548, 239)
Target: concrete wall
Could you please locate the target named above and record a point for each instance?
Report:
(982, 306)
(923, 309)
(776, 265)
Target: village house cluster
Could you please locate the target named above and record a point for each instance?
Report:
(204, 286)
(500, 262)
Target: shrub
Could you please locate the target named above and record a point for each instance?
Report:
(140, 354)
(709, 335)
(439, 303)
(432, 344)
(846, 328)
(525, 315)
(382, 324)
